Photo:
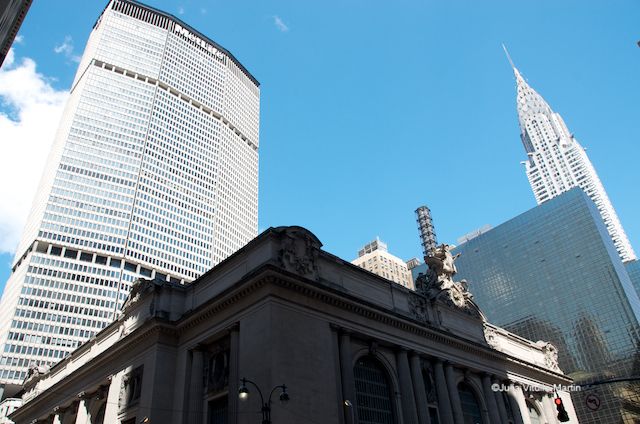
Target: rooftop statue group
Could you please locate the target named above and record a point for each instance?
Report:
(438, 282)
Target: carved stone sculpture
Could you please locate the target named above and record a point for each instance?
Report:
(490, 336)
(550, 354)
(299, 252)
(438, 284)
(36, 370)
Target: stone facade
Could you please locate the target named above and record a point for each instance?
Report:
(281, 310)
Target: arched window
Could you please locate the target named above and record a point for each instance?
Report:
(470, 405)
(432, 397)
(373, 392)
(534, 415)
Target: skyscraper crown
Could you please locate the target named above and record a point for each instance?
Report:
(528, 101)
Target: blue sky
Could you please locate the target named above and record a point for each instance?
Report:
(370, 109)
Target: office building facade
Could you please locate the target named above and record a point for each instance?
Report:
(153, 173)
(552, 273)
(12, 13)
(556, 162)
(375, 257)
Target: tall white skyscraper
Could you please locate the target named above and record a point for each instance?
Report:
(556, 162)
(153, 173)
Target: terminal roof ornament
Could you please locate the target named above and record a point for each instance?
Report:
(550, 355)
(438, 284)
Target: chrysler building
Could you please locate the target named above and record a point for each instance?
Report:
(556, 162)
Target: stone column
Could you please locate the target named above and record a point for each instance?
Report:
(82, 417)
(348, 382)
(56, 419)
(113, 397)
(521, 404)
(418, 389)
(454, 396)
(234, 372)
(490, 399)
(499, 397)
(515, 408)
(196, 389)
(444, 404)
(549, 409)
(406, 388)
(335, 354)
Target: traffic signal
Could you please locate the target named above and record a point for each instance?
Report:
(563, 417)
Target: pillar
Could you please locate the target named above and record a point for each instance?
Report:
(490, 399)
(234, 372)
(499, 397)
(113, 395)
(444, 404)
(348, 382)
(549, 409)
(406, 388)
(521, 404)
(454, 396)
(418, 389)
(82, 417)
(56, 419)
(196, 389)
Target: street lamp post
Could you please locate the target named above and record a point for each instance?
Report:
(243, 394)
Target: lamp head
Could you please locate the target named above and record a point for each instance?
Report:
(243, 392)
(284, 396)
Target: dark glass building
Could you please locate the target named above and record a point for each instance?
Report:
(553, 273)
(633, 269)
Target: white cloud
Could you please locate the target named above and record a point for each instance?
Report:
(29, 114)
(280, 24)
(19, 39)
(181, 10)
(66, 48)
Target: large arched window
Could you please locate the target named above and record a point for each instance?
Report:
(534, 415)
(470, 405)
(373, 392)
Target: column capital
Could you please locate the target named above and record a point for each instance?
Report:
(345, 331)
(414, 353)
(448, 364)
(233, 327)
(199, 347)
(438, 360)
(83, 395)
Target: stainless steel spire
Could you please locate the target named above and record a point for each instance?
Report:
(556, 162)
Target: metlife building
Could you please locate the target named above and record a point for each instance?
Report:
(153, 173)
